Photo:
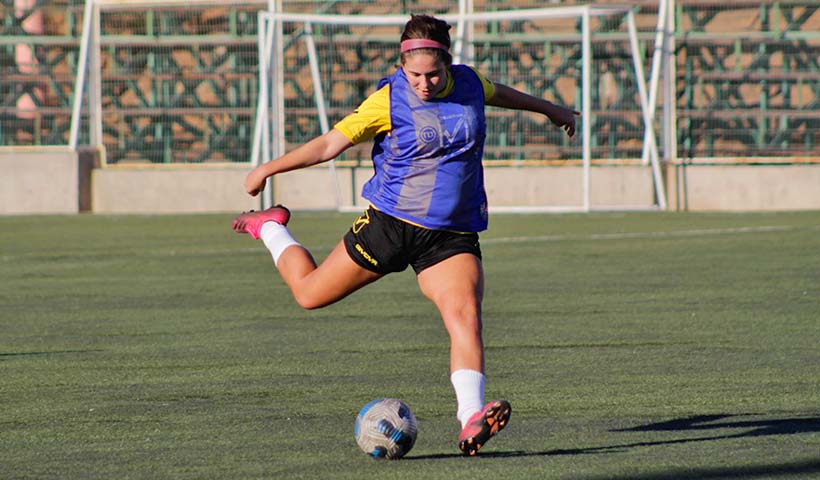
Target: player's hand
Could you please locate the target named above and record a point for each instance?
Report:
(564, 118)
(255, 182)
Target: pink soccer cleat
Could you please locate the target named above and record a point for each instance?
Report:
(484, 425)
(251, 222)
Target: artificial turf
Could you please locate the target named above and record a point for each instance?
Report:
(631, 346)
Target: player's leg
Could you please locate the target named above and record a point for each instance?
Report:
(317, 286)
(312, 286)
(456, 287)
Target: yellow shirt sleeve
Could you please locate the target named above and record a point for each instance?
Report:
(369, 119)
(372, 117)
(489, 87)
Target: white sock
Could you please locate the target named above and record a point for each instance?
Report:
(276, 238)
(469, 387)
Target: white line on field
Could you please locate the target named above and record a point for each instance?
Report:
(630, 235)
(320, 249)
(537, 238)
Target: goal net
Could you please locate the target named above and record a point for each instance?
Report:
(167, 82)
(315, 69)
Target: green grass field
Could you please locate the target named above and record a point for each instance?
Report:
(631, 346)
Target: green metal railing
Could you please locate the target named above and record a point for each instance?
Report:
(749, 79)
(180, 85)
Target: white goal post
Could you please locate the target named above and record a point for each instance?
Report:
(269, 139)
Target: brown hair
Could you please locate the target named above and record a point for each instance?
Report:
(431, 28)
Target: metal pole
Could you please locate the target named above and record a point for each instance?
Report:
(318, 92)
(79, 83)
(468, 53)
(262, 99)
(266, 124)
(650, 143)
(657, 61)
(458, 50)
(95, 83)
(586, 106)
(277, 98)
(670, 137)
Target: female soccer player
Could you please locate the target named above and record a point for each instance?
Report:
(427, 203)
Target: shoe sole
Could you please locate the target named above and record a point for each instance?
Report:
(495, 419)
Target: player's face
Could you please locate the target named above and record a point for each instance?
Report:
(427, 76)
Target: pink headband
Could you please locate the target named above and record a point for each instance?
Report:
(415, 43)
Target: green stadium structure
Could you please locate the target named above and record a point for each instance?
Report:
(179, 84)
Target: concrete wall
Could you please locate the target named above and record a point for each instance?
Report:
(743, 187)
(690, 188)
(209, 188)
(506, 187)
(38, 180)
(54, 180)
(172, 189)
(314, 188)
(627, 186)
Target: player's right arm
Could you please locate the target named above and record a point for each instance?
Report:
(321, 149)
(368, 120)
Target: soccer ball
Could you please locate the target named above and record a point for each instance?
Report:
(386, 428)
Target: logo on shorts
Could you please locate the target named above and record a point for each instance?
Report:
(366, 255)
(360, 222)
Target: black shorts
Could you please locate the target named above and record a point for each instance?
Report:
(383, 244)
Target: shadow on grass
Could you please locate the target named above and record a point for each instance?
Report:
(749, 471)
(751, 428)
(34, 354)
(761, 427)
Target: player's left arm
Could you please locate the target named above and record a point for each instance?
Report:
(508, 97)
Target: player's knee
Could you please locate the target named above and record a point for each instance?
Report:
(309, 301)
(462, 317)
(461, 307)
